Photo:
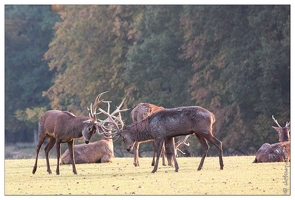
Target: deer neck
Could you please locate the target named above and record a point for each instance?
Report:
(141, 131)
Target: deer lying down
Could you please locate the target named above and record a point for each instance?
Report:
(277, 152)
(101, 151)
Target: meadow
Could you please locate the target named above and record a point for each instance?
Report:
(239, 177)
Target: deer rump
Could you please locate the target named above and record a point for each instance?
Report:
(277, 152)
(94, 152)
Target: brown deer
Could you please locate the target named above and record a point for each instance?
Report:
(101, 151)
(140, 112)
(61, 127)
(165, 124)
(277, 152)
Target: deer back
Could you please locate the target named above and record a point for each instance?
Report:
(143, 110)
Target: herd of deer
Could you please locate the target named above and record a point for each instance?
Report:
(150, 123)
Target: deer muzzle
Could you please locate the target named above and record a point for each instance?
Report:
(86, 141)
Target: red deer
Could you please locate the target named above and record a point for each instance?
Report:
(165, 124)
(277, 152)
(61, 127)
(140, 112)
(101, 151)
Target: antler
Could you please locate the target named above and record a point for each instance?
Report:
(93, 107)
(112, 120)
(275, 121)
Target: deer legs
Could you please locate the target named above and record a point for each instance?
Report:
(47, 149)
(38, 150)
(136, 163)
(205, 147)
(71, 151)
(170, 148)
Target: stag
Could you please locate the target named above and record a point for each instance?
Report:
(64, 127)
(165, 124)
(277, 152)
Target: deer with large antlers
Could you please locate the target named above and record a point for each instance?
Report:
(277, 152)
(64, 127)
(168, 123)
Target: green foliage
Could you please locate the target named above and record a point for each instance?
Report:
(28, 30)
(232, 60)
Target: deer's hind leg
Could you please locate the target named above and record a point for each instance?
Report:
(41, 140)
(47, 149)
(218, 145)
(205, 147)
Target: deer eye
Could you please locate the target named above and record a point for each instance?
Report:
(89, 129)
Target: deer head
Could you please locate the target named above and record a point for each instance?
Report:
(91, 125)
(283, 132)
(113, 124)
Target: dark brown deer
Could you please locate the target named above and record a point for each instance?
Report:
(277, 152)
(165, 124)
(64, 127)
(140, 112)
(101, 151)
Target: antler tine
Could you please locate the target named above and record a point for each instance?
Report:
(275, 121)
(97, 101)
(109, 117)
(118, 108)
(287, 124)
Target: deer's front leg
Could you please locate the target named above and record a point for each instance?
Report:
(170, 151)
(72, 157)
(57, 155)
(159, 145)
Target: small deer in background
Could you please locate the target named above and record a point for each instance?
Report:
(277, 152)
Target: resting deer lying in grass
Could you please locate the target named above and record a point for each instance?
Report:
(101, 151)
(277, 152)
(165, 124)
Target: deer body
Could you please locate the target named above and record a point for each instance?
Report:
(140, 112)
(277, 152)
(99, 151)
(61, 127)
(168, 123)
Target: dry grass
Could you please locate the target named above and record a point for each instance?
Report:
(239, 177)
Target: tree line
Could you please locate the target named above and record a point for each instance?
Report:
(233, 60)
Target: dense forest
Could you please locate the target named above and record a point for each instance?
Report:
(233, 60)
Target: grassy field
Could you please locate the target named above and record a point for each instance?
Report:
(239, 177)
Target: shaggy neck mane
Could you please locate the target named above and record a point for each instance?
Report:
(140, 130)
